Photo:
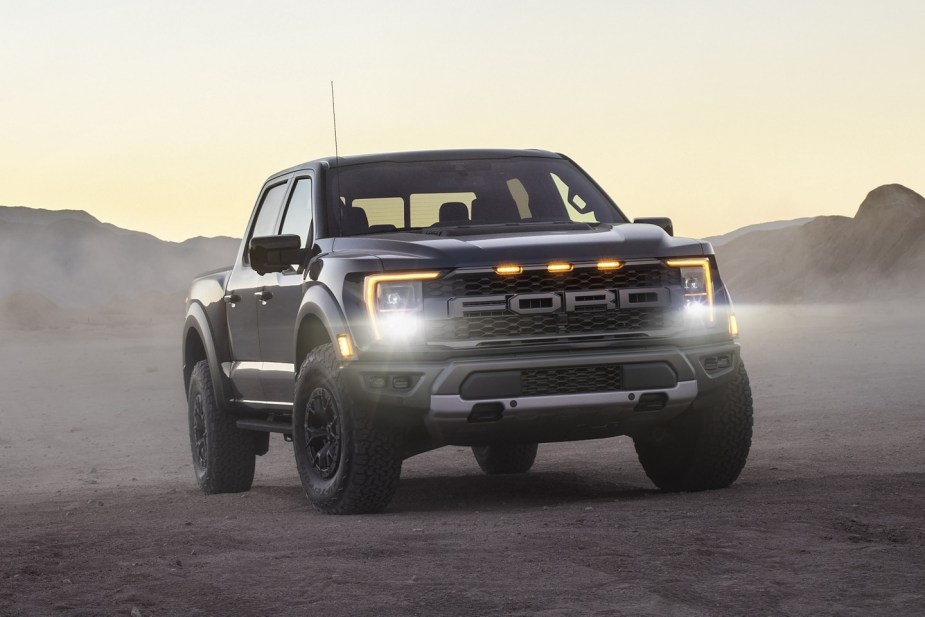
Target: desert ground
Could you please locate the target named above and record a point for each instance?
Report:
(100, 514)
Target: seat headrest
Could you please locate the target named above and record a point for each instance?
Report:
(354, 221)
(453, 211)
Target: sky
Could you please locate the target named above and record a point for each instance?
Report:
(166, 117)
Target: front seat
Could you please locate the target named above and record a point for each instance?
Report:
(454, 213)
(354, 221)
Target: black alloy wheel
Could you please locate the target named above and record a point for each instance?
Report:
(200, 436)
(223, 455)
(348, 462)
(322, 432)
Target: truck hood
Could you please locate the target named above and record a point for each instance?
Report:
(403, 250)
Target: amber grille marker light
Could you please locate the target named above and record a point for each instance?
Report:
(609, 264)
(509, 269)
(558, 266)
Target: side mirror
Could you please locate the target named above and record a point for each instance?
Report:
(275, 253)
(659, 221)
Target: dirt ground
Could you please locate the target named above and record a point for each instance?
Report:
(100, 514)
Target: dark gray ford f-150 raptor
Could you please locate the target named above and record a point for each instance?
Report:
(381, 306)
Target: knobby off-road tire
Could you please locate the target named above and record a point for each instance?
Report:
(505, 458)
(347, 463)
(705, 447)
(223, 454)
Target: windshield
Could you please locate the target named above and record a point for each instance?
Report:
(389, 196)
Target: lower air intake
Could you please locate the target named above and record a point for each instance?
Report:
(571, 380)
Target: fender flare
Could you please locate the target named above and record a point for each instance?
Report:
(318, 302)
(198, 320)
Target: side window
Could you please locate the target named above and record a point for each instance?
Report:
(298, 217)
(265, 225)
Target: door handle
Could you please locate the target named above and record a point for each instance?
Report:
(232, 299)
(263, 296)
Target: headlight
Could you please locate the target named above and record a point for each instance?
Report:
(395, 303)
(697, 284)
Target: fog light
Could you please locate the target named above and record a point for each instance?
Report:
(376, 381)
(401, 383)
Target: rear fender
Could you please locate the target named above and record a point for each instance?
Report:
(199, 325)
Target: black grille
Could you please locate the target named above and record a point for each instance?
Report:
(654, 275)
(571, 380)
(510, 325)
(496, 324)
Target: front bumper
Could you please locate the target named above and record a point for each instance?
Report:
(479, 401)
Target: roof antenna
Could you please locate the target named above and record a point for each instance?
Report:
(334, 115)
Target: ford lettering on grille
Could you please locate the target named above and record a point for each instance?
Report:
(560, 302)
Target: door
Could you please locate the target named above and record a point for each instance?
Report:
(276, 315)
(242, 297)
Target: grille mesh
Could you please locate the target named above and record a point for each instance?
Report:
(571, 380)
(504, 324)
(511, 325)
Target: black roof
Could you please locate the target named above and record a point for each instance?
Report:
(419, 155)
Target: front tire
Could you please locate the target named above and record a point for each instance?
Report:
(348, 464)
(223, 455)
(505, 458)
(706, 447)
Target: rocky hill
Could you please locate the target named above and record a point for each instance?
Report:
(61, 266)
(732, 235)
(66, 267)
(879, 254)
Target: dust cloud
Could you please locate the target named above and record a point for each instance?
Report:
(100, 512)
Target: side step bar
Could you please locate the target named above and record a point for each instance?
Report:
(266, 426)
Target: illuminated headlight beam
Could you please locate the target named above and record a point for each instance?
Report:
(395, 302)
(697, 281)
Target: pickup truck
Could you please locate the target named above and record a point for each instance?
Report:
(384, 305)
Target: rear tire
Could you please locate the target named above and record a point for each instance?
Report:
(505, 458)
(223, 454)
(705, 447)
(348, 463)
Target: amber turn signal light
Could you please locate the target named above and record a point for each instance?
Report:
(345, 346)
